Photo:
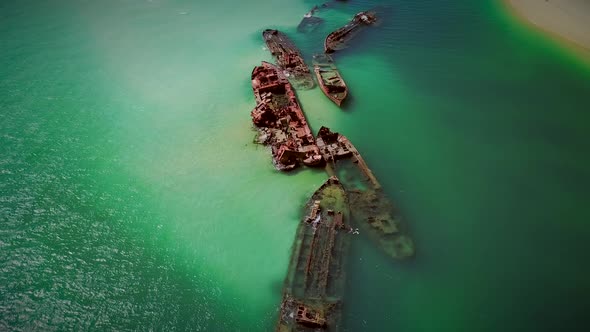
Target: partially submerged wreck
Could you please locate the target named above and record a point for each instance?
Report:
(309, 24)
(337, 40)
(280, 120)
(314, 284)
(288, 58)
(329, 78)
(370, 208)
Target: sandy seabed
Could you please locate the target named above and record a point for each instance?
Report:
(569, 19)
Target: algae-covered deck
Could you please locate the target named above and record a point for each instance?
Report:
(369, 205)
(289, 58)
(315, 281)
(329, 78)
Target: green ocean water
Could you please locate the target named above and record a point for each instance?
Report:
(133, 198)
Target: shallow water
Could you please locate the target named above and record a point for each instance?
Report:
(132, 196)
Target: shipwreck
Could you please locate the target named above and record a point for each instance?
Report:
(288, 58)
(337, 40)
(370, 207)
(314, 286)
(280, 120)
(329, 78)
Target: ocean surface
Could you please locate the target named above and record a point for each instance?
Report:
(132, 197)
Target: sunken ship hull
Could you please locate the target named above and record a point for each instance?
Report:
(280, 120)
(309, 24)
(337, 40)
(371, 209)
(329, 78)
(288, 58)
(314, 286)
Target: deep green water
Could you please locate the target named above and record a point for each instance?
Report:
(132, 198)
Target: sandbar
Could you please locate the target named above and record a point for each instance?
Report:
(569, 19)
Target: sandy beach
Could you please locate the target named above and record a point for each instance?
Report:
(569, 19)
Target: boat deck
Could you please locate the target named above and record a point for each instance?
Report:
(329, 78)
(369, 205)
(337, 40)
(315, 281)
(280, 120)
(288, 58)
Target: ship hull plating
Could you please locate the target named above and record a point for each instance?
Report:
(337, 40)
(329, 78)
(280, 120)
(371, 209)
(313, 292)
(288, 58)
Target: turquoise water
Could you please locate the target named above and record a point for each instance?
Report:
(133, 198)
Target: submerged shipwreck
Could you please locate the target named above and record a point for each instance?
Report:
(369, 206)
(314, 284)
(288, 58)
(280, 120)
(351, 197)
(337, 40)
(309, 24)
(329, 78)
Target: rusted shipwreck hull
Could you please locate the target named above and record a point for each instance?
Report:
(370, 207)
(314, 286)
(280, 120)
(288, 58)
(329, 78)
(337, 40)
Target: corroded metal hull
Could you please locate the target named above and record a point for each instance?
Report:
(370, 207)
(314, 286)
(280, 120)
(337, 40)
(329, 78)
(288, 58)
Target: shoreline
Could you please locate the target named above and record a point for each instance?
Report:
(566, 21)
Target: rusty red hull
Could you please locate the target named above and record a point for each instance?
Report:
(288, 58)
(280, 120)
(329, 78)
(337, 40)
